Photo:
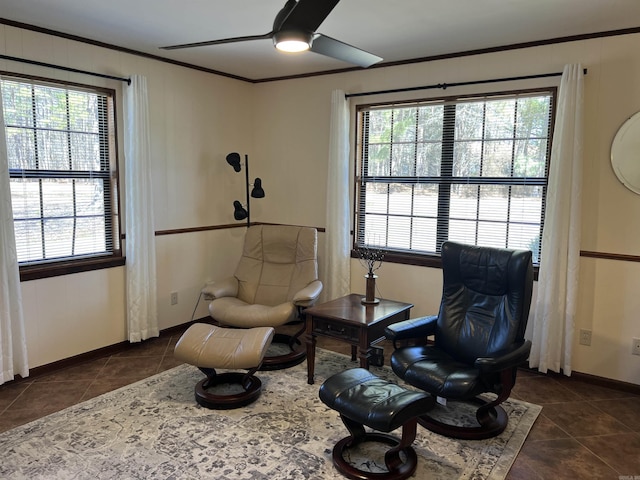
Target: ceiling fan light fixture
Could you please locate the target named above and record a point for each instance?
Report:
(292, 41)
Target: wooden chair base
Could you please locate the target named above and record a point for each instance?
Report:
(250, 383)
(296, 356)
(492, 422)
(397, 468)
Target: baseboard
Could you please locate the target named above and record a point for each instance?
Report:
(593, 380)
(95, 354)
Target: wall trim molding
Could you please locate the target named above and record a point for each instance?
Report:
(467, 53)
(610, 256)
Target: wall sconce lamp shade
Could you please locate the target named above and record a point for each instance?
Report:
(241, 212)
(292, 40)
(257, 191)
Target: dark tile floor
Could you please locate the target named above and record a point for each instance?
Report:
(584, 431)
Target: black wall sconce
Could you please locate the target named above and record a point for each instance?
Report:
(240, 212)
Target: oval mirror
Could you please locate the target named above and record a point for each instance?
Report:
(625, 153)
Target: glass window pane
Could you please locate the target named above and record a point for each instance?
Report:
(492, 234)
(90, 237)
(464, 202)
(85, 151)
(425, 201)
(58, 237)
(404, 125)
(399, 235)
(533, 117)
(89, 197)
(377, 198)
(375, 233)
(16, 99)
(51, 107)
(378, 160)
(57, 198)
(493, 203)
(469, 121)
(428, 159)
(497, 158)
(430, 123)
(83, 112)
(379, 126)
(463, 231)
(400, 199)
(53, 150)
(403, 159)
(499, 119)
(28, 240)
(21, 151)
(530, 158)
(467, 159)
(25, 198)
(424, 234)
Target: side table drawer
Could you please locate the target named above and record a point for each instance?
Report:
(334, 329)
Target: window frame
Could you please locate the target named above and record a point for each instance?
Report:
(93, 261)
(429, 259)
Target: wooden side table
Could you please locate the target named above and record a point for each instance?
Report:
(347, 319)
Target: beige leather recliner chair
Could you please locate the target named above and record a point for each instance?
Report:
(276, 278)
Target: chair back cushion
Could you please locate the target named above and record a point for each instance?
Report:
(277, 261)
(486, 298)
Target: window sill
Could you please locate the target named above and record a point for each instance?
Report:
(420, 260)
(35, 272)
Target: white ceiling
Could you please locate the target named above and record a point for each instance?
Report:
(395, 30)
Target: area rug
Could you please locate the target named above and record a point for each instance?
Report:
(154, 429)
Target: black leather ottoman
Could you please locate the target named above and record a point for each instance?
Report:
(363, 399)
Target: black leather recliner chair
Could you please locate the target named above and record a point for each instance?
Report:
(479, 335)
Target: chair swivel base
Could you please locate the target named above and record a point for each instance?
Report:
(492, 423)
(250, 383)
(295, 356)
(398, 469)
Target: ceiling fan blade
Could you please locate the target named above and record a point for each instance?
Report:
(219, 42)
(342, 51)
(307, 15)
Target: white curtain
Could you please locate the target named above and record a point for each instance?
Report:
(554, 312)
(336, 259)
(13, 343)
(142, 314)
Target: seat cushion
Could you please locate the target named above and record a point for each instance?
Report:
(233, 311)
(208, 346)
(369, 400)
(436, 372)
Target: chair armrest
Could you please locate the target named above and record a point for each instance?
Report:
(308, 295)
(412, 328)
(505, 359)
(222, 288)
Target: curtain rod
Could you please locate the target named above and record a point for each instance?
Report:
(66, 69)
(444, 86)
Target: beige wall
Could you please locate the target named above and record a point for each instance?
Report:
(611, 214)
(198, 118)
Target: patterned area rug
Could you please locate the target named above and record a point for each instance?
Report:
(154, 429)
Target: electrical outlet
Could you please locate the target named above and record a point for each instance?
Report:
(174, 298)
(635, 346)
(585, 337)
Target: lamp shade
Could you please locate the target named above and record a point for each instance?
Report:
(257, 191)
(233, 159)
(239, 212)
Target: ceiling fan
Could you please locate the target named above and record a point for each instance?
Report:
(294, 30)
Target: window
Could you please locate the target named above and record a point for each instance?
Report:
(63, 176)
(472, 170)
